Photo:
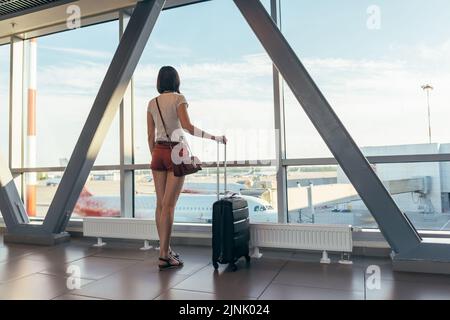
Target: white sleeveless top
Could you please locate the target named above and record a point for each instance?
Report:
(169, 103)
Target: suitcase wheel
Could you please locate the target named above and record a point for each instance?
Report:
(233, 267)
(215, 265)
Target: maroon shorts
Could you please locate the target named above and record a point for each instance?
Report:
(162, 157)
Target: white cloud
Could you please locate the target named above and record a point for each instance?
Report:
(81, 52)
(60, 119)
(174, 50)
(425, 53)
(337, 64)
(78, 77)
(248, 78)
(380, 101)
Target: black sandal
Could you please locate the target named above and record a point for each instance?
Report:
(168, 264)
(174, 254)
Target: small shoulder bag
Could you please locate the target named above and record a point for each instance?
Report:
(188, 164)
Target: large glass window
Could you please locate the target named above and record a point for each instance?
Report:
(70, 68)
(228, 81)
(4, 100)
(324, 195)
(226, 77)
(64, 72)
(371, 63)
(100, 196)
(385, 78)
(256, 184)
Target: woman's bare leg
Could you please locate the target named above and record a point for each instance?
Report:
(159, 179)
(174, 186)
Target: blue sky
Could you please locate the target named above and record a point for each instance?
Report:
(365, 74)
(319, 28)
(338, 28)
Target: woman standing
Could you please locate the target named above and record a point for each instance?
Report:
(166, 115)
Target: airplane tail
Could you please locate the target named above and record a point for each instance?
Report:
(88, 206)
(85, 193)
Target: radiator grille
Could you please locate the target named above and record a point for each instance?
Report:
(121, 228)
(336, 238)
(302, 237)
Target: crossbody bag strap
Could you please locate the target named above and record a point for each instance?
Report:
(162, 119)
(165, 128)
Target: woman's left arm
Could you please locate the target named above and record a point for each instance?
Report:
(186, 124)
(150, 131)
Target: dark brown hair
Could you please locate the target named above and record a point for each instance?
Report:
(168, 80)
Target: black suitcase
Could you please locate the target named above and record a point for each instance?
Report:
(230, 229)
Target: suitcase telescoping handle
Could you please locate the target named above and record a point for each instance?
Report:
(224, 168)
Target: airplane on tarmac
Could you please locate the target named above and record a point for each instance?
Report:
(193, 207)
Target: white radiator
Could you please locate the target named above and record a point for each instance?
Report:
(324, 238)
(336, 238)
(120, 228)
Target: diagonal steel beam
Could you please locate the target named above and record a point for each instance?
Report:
(102, 114)
(11, 205)
(394, 225)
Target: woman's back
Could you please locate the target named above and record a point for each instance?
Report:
(169, 103)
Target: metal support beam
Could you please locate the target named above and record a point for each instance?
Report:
(431, 256)
(394, 225)
(11, 205)
(126, 138)
(280, 133)
(102, 114)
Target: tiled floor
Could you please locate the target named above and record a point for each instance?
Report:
(122, 271)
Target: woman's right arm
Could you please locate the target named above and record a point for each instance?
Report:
(186, 124)
(150, 131)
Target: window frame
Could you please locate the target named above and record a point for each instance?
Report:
(129, 167)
